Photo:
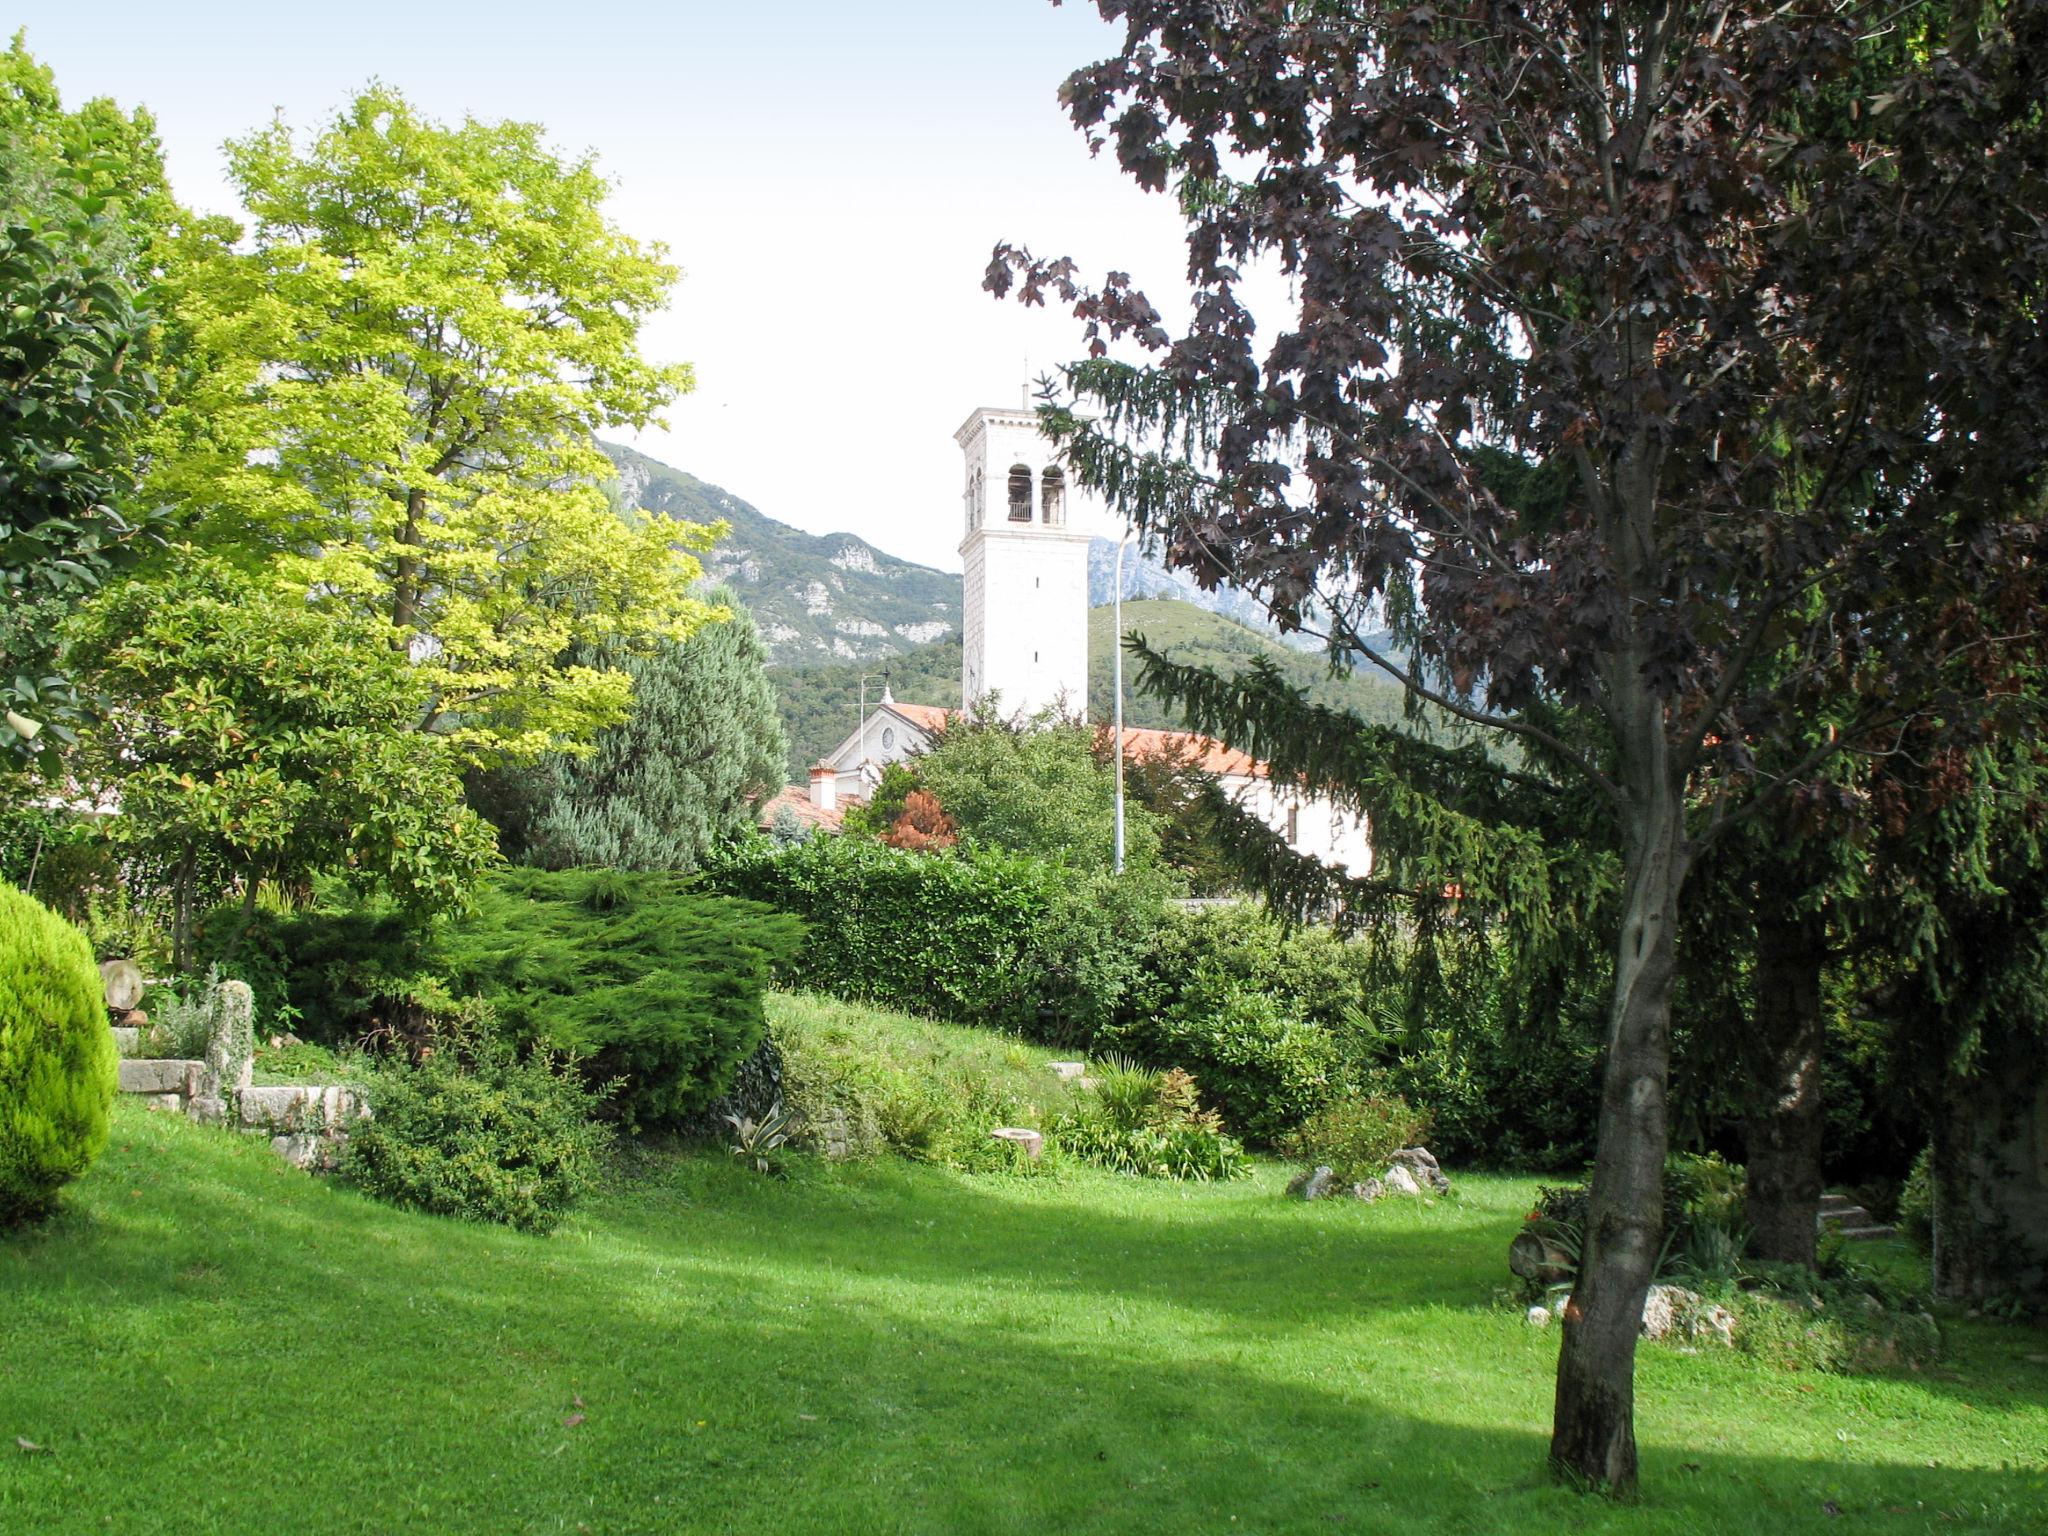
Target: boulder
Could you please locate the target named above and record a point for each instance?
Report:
(299, 1107)
(127, 1039)
(1368, 1191)
(317, 1154)
(1066, 1071)
(159, 1075)
(1534, 1256)
(1311, 1183)
(1422, 1168)
(1672, 1309)
(1400, 1181)
(1539, 1317)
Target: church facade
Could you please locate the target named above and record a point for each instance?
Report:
(1025, 646)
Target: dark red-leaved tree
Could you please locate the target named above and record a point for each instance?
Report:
(1762, 283)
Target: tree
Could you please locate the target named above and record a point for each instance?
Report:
(248, 737)
(393, 394)
(80, 194)
(1785, 361)
(680, 777)
(1034, 787)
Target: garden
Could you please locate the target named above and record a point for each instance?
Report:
(437, 1093)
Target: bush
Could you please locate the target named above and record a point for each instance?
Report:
(1357, 1136)
(57, 1064)
(1151, 1124)
(499, 1139)
(340, 977)
(975, 937)
(652, 984)
(1266, 1071)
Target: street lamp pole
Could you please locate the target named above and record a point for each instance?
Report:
(1116, 641)
(865, 679)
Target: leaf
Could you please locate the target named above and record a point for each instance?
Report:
(572, 1421)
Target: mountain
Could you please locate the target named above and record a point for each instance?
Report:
(817, 598)
(1147, 576)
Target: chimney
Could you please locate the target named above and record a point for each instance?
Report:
(824, 787)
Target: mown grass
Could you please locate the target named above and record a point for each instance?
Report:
(206, 1340)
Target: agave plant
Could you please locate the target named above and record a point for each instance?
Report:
(760, 1139)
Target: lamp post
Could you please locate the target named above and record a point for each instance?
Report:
(1116, 642)
(865, 679)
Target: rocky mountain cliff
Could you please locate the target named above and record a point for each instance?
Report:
(817, 598)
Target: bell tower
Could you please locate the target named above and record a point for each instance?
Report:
(1025, 609)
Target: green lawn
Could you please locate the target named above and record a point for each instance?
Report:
(209, 1341)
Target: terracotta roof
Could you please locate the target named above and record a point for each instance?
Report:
(798, 799)
(926, 717)
(1206, 752)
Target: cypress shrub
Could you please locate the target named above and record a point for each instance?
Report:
(651, 984)
(57, 1062)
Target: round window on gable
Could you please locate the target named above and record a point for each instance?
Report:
(888, 738)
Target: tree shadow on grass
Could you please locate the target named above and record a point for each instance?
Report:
(243, 1343)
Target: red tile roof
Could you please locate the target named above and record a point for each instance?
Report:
(1206, 752)
(798, 798)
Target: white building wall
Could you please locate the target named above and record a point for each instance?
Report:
(1309, 823)
(1025, 615)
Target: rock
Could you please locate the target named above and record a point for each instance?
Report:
(127, 1039)
(122, 981)
(1536, 1257)
(1400, 1181)
(1539, 1317)
(160, 1075)
(1421, 1166)
(169, 1103)
(207, 1108)
(1718, 1321)
(1311, 1183)
(317, 1154)
(1031, 1141)
(1370, 1190)
(231, 1054)
(1066, 1071)
(1668, 1309)
(299, 1107)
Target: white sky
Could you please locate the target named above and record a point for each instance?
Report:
(830, 175)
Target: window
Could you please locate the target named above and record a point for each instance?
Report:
(1053, 496)
(888, 738)
(1293, 824)
(1020, 493)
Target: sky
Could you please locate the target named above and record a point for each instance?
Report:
(831, 177)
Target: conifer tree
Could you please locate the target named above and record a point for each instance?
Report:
(702, 743)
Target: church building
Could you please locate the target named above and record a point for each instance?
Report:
(1025, 645)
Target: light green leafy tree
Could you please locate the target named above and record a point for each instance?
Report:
(250, 736)
(393, 391)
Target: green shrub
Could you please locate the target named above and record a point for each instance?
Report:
(1356, 1136)
(1197, 960)
(654, 985)
(1264, 1070)
(57, 1064)
(495, 1138)
(1151, 1124)
(1843, 1319)
(341, 977)
(982, 936)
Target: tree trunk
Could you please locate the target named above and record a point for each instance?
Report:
(1782, 1135)
(1593, 1433)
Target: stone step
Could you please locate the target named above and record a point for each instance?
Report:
(1836, 1203)
(1868, 1232)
